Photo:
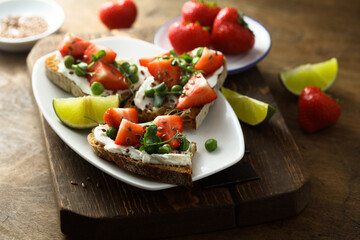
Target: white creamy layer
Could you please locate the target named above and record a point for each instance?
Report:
(141, 101)
(213, 78)
(176, 159)
(83, 82)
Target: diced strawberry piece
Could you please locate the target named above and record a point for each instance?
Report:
(197, 93)
(94, 48)
(129, 133)
(209, 61)
(145, 61)
(109, 77)
(163, 71)
(168, 126)
(73, 45)
(114, 116)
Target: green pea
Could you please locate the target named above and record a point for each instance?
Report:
(97, 88)
(184, 145)
(125, 67)
(176, 88)
(158, 100)
(211, 145)
(195, 60)
(69, 61)
(164, 149)
(174, 63)
(80, 69)
(111, 132)
(184, 80)
(133, 69)
(133, 78)
(150, 92)
(161, 87)
(183, 64)
(199, 51)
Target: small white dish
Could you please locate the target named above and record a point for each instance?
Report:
(235, 62)
(49, 10)
(221, 123)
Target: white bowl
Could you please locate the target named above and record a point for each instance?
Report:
(50, 11)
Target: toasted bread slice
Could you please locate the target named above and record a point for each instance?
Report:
(192, 117)
(178, 175)
(51, 71)
(70, 86)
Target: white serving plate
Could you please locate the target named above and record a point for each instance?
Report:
(221, 122)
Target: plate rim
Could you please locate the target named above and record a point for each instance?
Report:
(159, 185)
(232, 71)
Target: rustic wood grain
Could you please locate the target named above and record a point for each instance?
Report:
(302, 31)
(284, 187)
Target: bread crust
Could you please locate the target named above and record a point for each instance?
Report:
(191, 118)
(51, 71)
(178, 175)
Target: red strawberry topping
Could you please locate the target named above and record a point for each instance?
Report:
(114, 116)
(129, 133)
(197, 92)
(168, 126)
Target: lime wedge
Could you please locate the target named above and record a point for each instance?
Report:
(248, 110)
(321, 75)
(83, 112)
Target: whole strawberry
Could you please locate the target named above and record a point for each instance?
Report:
(230, 33)
(316, 110)
(121, 14)
(186, 36)
(200, 11)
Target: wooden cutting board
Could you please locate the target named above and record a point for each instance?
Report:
(93, 204)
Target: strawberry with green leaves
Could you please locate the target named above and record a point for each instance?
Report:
(316, 110)
(200, 11)
(185, 36)
(230, 33)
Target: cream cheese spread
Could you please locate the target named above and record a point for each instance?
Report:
(142, 102)
(174, 159)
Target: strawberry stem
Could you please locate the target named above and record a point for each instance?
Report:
(242, 21)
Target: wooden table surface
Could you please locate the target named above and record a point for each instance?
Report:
(302, 31)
